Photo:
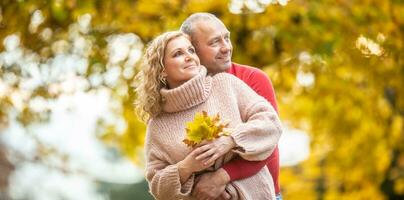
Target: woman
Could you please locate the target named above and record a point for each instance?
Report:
(173, 86)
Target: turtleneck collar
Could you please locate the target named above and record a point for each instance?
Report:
(193, 92)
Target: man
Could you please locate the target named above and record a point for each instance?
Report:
(211, 40)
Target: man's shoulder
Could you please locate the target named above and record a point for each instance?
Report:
(244, 66)
(246, 72)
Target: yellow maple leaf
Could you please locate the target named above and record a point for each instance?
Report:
(204, 127)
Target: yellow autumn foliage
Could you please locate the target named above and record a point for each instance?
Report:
(204, 127)
(353, 109)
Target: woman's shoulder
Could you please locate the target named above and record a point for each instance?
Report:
(230, 84)
(155, 121)
(227, 80)
(161, 121)
(226, 77)
(153, 128)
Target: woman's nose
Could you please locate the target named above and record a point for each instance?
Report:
(188, 57)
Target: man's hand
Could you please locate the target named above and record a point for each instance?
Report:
(225, 196)
(211, 185)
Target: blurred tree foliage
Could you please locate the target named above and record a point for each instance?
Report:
(337, 67)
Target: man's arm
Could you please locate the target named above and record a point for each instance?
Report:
(212, 184)
(262, 85)
(240, 168)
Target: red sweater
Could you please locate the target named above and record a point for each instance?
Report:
(260, 83)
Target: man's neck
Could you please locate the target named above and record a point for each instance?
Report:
(210, 72)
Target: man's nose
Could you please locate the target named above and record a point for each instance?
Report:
(225, 47)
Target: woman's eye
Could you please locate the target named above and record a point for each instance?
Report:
(178, 53)
(191, 50)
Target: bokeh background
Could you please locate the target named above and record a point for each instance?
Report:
(67, 125)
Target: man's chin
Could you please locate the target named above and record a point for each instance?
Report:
(222, 68)
(217, 68)
(226, 65)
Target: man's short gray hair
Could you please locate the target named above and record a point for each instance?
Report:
(187, 25)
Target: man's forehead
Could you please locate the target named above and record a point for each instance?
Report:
(210, 27)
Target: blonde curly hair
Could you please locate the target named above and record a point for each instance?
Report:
(148, 81)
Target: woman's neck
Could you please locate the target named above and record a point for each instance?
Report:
(172, 85)
(186, 95)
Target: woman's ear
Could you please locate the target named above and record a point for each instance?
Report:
(163, 73)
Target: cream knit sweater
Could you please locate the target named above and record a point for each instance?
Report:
(255, 124)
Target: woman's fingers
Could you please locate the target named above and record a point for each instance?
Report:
(200, 150)
(212, 159)
(203, 143)
(208, 162)
(206, 154)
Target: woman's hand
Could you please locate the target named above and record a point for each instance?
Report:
(190, 164)
(217, 148)
(204, 156)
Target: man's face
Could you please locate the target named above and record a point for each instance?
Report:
(213, 46)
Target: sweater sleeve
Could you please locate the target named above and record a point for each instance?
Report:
(240, 168)
(163, 178)
(258, 135)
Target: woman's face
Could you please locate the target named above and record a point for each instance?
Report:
(180, 61)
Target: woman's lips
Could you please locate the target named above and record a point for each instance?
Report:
(190, 66)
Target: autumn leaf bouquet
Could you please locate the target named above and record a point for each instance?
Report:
(204, 127)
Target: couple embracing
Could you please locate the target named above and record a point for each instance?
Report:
(190, 71)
